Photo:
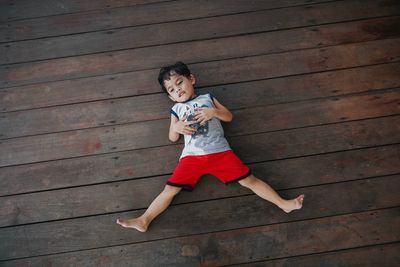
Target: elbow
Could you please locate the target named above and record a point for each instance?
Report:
(173, 138)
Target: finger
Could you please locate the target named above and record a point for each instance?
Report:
(187, 132)
(190, 129)
(203, 121)
(191, 122)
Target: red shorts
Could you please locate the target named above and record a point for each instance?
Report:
(226, 166)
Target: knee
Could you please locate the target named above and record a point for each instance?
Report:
(248, 181)
(171, 191)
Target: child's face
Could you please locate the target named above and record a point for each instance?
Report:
(180, 88)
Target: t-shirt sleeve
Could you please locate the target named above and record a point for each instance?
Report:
(174, 111)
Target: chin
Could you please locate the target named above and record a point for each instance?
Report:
(183, 99)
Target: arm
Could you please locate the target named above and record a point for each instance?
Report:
(178, 127)
(220, 112)
(173, 136)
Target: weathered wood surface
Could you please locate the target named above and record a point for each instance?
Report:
(314, 88)
(269, 91)
(25, 9)
(118, 166)
(135, 194)
(111, 63)
(384, 255)
(271, 41)
(136, 16)
(155, 107)
(147, 134)
(254, 243)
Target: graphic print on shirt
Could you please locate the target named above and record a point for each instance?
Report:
(202, 130)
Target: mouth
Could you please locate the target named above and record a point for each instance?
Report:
(181, 94)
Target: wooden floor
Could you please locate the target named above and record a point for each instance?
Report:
(314, 89)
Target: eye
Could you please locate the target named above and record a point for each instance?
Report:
(180, 82)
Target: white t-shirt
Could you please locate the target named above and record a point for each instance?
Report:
(209, 138)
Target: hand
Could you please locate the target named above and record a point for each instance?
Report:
(203, 115)
(183, 127)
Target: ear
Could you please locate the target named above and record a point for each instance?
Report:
(192, 79)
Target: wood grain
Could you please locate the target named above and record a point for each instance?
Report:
(220, 215)
(133, 16)
(152, 133)
(85, 66)
(147, 163)
(269, 91)
(344, 226)
(367, 256)
(218, 47)
(25, 9)
(138, 193)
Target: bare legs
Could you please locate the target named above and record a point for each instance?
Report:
(266, 192)
(163, 200)
(159, 204)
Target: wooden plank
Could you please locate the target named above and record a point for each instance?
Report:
(270, 91)
(222, 215)
(90, 200)
(155, 107)
(381, 255)
(152, 133)
(254, 67)
(160, 161)
(287, 144)
(116, 62)
(89, 170)
(256, 43)
(137, 15)
(25, 9)
(266, 242)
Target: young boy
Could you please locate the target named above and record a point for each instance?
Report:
(206, 151)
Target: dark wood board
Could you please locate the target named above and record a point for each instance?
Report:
(314, 89)
(360, 163)
(156, 107)
(137, 15)
(276, 241)
(153, 133)
(11, 10)
(269, 91)
(113, 63)
(215, 216)
(138, 194)
(215, 44)
(379, 255)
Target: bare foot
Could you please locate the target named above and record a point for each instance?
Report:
(294, 204)
(137, 224)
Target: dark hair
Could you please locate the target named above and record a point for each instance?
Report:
(166, 72)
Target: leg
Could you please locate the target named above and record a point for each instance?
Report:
(266, 192)
(159, 204)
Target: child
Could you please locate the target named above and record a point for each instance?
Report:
(206, 150)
